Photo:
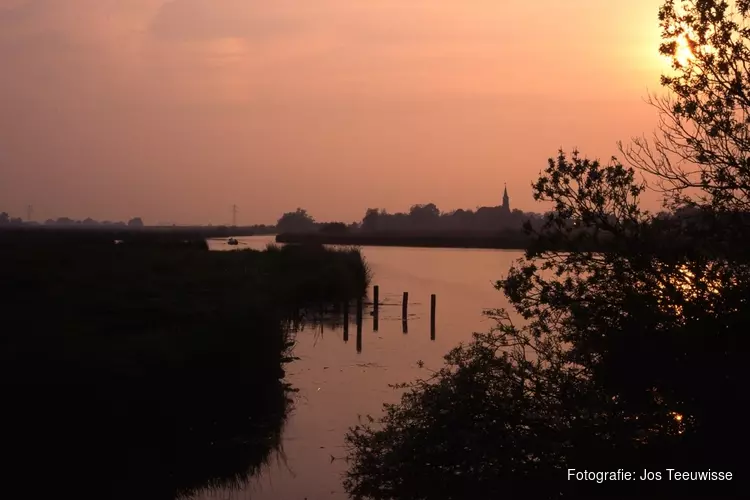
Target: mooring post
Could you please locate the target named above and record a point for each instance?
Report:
(433, 300)
(359, 336)
(346, 322)
(404, 313)
(359, 324)
(375, 302)
(359, 312)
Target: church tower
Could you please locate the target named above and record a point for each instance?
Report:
(506, 200)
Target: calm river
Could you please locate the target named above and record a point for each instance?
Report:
(336, 383)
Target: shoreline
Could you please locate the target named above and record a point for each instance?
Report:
(511, 241)
(114, 230)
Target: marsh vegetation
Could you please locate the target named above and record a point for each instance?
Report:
(151, 367)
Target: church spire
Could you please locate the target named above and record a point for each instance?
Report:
(506, 200)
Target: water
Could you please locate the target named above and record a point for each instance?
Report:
(336, 383)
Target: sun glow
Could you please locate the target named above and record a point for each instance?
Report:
(683, 54)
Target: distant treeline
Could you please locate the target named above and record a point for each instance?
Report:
(182, 233)
(419, 218)
(7, 220)
(135, 224)
(427, 220)
(382, 229)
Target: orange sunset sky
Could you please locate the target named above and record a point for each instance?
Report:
(175, 110)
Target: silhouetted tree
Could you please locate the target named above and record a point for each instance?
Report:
(611, 361)
(710, 92)
(424, 216)
(135, 222)
(334, 228)
(634, 357)
(370, 220)
(428, 211)
(297, 221)
(4, 218)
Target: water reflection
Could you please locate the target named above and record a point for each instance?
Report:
(343, 317)
(337, 384)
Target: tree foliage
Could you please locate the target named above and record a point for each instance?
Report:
(629, 358)
(297, 221)
(699, 156)
(135, 222)
(334, 228)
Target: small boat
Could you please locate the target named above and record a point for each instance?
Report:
(232, 241)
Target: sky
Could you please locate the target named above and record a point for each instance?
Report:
(175, 110)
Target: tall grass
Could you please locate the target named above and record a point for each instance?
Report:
(310, 275)
(160, 363)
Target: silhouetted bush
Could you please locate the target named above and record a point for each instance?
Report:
(634, 358)
(334, 228)
(617, 364)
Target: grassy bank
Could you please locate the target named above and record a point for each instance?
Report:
(153, 365)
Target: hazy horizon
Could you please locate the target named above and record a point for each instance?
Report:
(173, 111)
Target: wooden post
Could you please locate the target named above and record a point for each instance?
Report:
(433, 299)
(375, 301)
(359, 337)
(359, 311)
(405, 313)
(359, 325)
(346, 322)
